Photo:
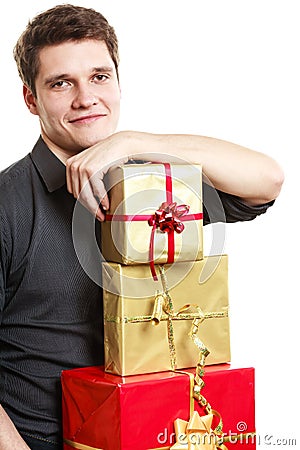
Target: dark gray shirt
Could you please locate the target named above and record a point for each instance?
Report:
(50, 310)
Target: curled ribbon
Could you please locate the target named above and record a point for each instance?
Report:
(158, 308)
(197, 433)
(163, 303)
(167, 217)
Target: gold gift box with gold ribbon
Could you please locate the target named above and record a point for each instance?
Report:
(146, 332)
(155, 214)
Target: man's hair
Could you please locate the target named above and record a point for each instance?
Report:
(62, 23)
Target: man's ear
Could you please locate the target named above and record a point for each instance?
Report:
(30, 100)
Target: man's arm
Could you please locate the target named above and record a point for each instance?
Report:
(253, 176)
(9, 436)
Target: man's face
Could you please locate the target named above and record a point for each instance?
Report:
(78, 95)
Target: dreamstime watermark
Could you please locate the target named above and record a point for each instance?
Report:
(241, 436)
(165, 438)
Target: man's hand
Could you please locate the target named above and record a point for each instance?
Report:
(85, 172)
(9, 436)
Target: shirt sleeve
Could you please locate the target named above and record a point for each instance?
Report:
(219, 206)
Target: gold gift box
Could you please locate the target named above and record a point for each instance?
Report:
(133, 345)
(136, 192)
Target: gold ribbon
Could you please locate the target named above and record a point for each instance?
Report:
(158, 308)
(163, 302)
(191, 395)
(160, 448)
(195, 434)
(164, 317)
(80, 446)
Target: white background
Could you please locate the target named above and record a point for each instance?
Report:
(228, 69)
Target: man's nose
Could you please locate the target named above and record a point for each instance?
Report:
(84, 96)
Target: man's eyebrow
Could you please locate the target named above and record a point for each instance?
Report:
(103, 69)
(56, 77)
(62, 76)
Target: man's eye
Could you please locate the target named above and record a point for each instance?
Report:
(101, 77)
(59, 84)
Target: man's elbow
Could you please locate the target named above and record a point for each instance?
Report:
(272, 183)
(276, 182)
(269, 186)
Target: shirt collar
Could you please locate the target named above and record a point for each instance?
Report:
(51, 169)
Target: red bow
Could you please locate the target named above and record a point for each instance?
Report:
(166, 218)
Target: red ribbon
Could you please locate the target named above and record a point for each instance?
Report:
(168, 219)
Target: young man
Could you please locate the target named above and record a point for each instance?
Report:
(50, 310)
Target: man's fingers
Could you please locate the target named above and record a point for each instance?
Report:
(74, 177)
(95, 187)
(99, 191)
(91, 202)
(88, 189)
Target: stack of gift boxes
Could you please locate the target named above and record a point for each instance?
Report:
(167, 382)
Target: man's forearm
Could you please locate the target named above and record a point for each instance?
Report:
(229, 167)
(253, 176)
(10, 439)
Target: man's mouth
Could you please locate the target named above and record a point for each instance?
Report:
(87, 119)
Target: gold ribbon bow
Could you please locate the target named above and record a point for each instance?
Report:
(196, 434)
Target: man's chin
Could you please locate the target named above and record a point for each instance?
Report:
(90, 142)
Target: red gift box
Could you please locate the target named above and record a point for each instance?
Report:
(110, 412)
